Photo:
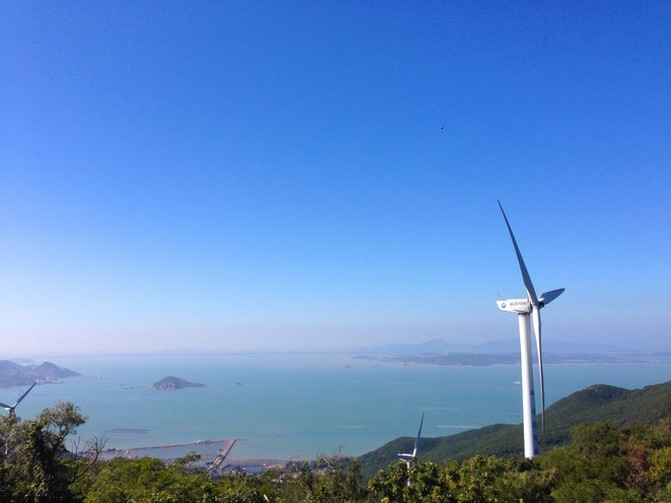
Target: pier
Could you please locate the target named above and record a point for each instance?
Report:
(214, 456)
(218, 462)
(207, 449)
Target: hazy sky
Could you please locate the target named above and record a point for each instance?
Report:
(302, 175)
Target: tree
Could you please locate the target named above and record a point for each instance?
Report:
(146, 480)
(390, 484)
(35, 465)
(328, 479)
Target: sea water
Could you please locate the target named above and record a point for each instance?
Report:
(301, 406)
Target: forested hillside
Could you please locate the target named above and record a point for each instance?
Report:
(617, 406)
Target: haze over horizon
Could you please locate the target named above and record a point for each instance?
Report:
(304, 176)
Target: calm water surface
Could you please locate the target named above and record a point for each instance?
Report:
(300, 406)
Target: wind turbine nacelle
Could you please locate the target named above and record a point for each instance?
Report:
(519, 306)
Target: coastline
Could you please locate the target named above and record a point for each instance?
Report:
(302, 408)
(214, 456)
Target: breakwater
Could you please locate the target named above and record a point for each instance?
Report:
(208, 450)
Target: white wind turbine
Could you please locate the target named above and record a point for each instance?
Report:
(10, 408)
(409, 457)
(523, 308)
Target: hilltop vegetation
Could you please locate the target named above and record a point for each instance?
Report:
(600, 463)
(625, 459)
(618, 407)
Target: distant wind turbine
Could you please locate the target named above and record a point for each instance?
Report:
(409, 457)
(11, 408)
(525, 307)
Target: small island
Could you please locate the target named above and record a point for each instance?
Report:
(171, 383)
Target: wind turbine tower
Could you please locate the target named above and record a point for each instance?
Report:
(409, 457)
(524, 308)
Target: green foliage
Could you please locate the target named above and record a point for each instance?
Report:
(660, 466)
(324, 481)
(479, 479)
(147, 480)
(390, 484)
(601, 462)
(35, 466)
(617, 406)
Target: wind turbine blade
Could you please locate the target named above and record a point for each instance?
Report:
(5, 406)
(419, 434)
(525, 273)
(536, 315)
(548, 297)
(24, 395)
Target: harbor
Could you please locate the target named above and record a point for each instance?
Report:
(206, 449)
(214, 456)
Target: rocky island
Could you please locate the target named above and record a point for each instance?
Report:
(171, 383)
(13, 374)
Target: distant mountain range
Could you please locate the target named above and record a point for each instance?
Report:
(493, 347)
(440, 352)
(484, 359)
(13, 374)
(618, 406)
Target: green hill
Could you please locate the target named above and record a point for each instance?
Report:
(618, 406)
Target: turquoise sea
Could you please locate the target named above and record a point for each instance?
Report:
(301, 406)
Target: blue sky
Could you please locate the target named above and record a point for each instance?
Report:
(319, 175)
